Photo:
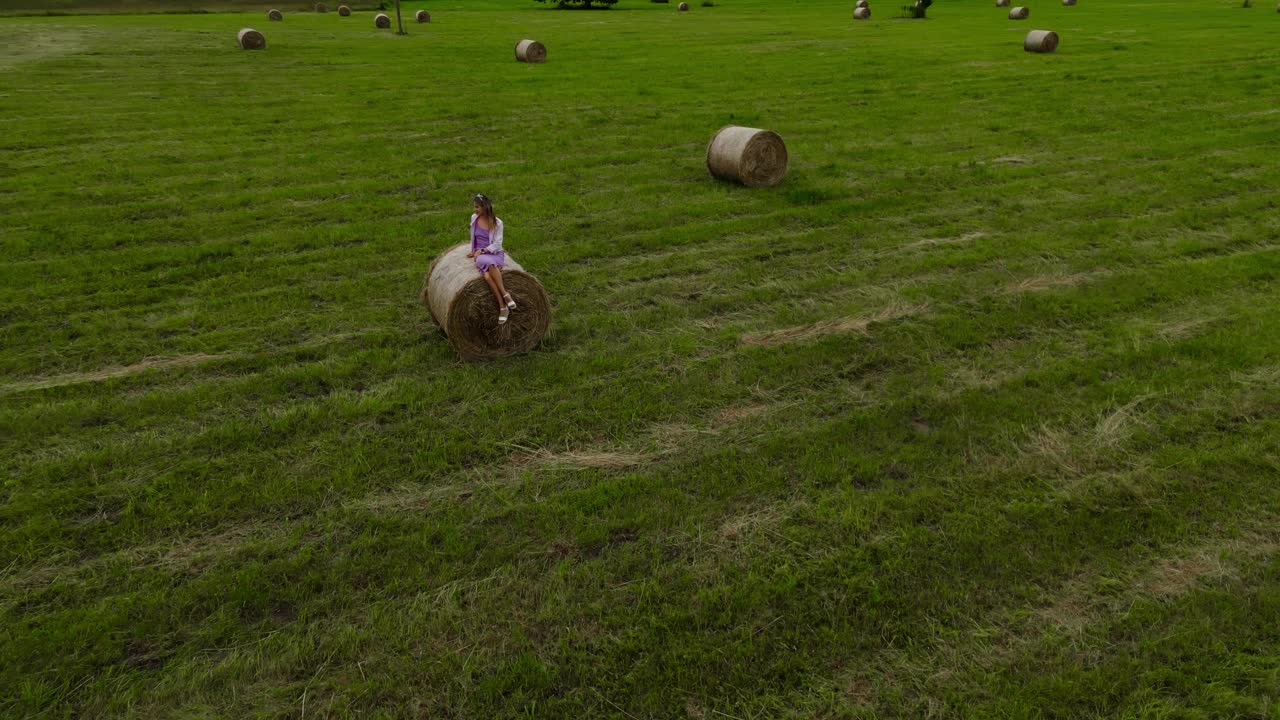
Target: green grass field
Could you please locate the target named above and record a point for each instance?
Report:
(976, 415)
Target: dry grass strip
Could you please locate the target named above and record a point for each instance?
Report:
(858, 324)
(153, 363)
(1048, 282)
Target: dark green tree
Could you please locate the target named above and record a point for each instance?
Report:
(584, 4)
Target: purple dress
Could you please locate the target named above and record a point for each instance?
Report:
(484, 261)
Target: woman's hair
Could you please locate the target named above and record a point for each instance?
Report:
(486, 209)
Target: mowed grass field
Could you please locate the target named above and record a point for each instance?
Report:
(976, 415)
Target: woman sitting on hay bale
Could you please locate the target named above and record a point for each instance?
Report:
(486, 249)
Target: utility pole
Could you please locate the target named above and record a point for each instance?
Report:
(399, 22)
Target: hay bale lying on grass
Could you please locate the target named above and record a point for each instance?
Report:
(1041, 41)
(861, 4)
(250, 39)
(1019, 13)
(344, 11)
(322, 8)
(1002, 3)
(682, 6)
(275, 15)
(463, 306)
(750, 156)
(1068, 3)
(531, 51)
(862, 13)
(381, 21)
(423, 16)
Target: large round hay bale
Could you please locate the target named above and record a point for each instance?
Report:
(750, 156)
(250, 39)
(462, 304)
(275, 15)
(1041, 41)
(682, 7)
(423, 16)
(531, 51)
(862, 13)
(382, 21)
(1002, 3)
(322, 8)
(1019, 13)
(344, 11)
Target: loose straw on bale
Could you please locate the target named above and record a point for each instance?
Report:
(862, 13)
(753, 157)
(275, 15)
(423, 16)
(321, 7)
(531, 51)
(250, 39)
(1041, 41)
(381, 20)
(1019, 13)
(344, 11)
(682, 6)
(463, 306)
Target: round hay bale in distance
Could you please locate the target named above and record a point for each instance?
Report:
(1002, 3)
(1041, 41)
(861, 3)
(463, 306)
(531, 51)
(381, 21)
(862, 13)
(250, 39)
(423, 16)
(275, 15)
(683, 7)
(750, 156)
(344, 11)
(1019, 13)
(322, 8)
(1068, 3)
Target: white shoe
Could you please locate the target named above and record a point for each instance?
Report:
(510, 303)
(502, 316)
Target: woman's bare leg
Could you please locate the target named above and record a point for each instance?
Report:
(488, 278)
(497, 278)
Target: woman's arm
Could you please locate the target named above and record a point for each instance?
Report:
(471, 229)
(495, 239)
